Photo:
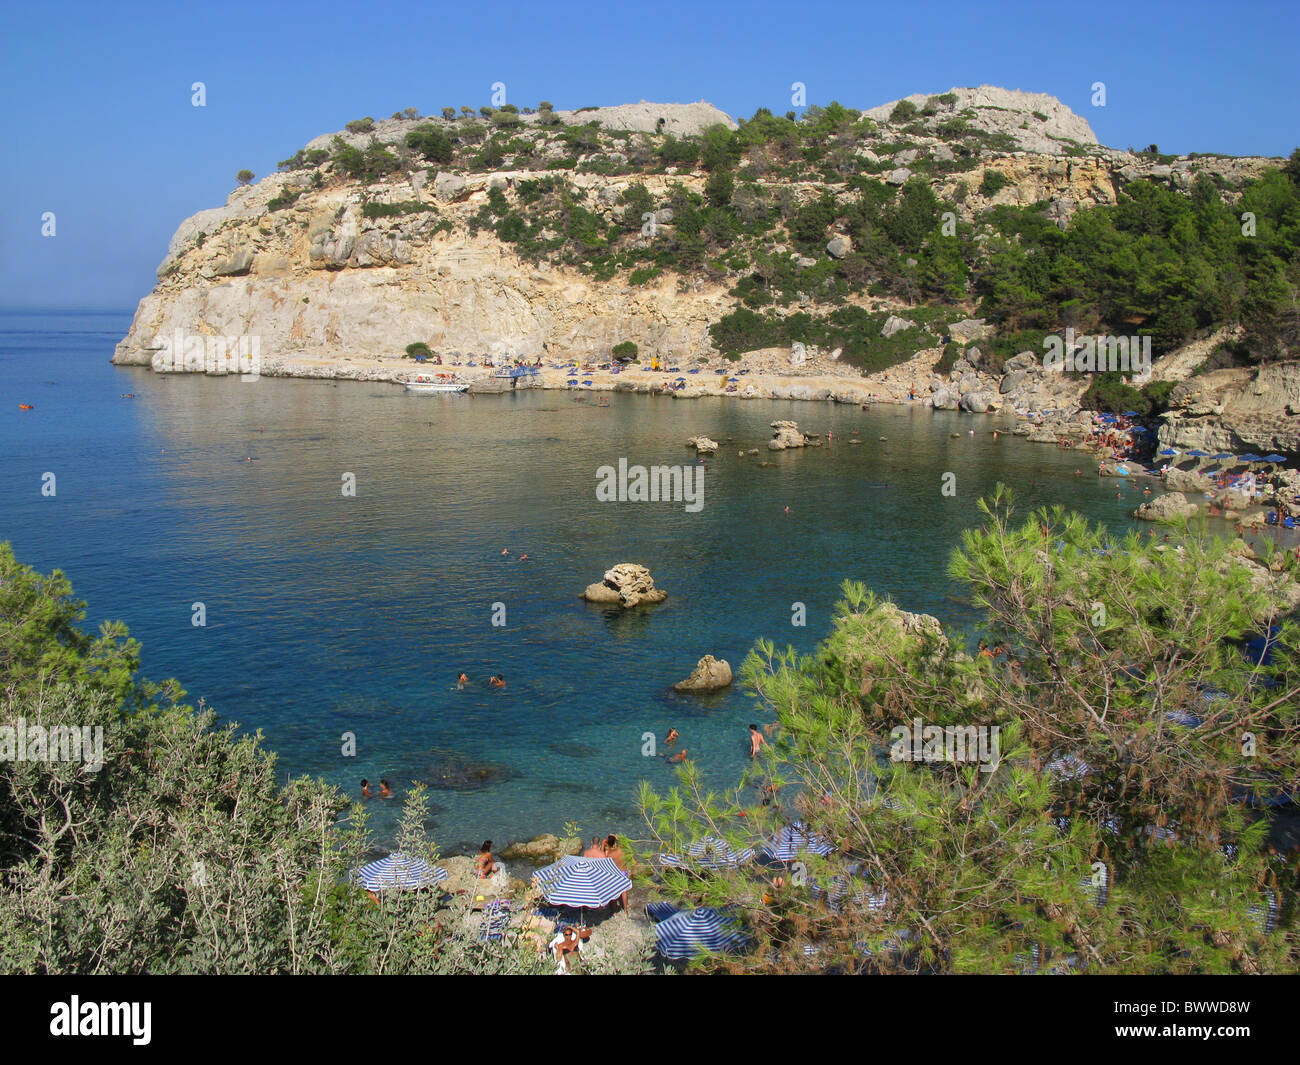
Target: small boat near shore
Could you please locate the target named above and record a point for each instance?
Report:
(428, 381)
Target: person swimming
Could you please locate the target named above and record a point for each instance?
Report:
(385, 789)
(461, 681)
(672, 737)
(680, 756)
(365, 790)
(499, 681)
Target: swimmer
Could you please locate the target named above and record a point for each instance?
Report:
(365, 790)
(385, 790)
(787, 510)
(970, 432)
(680, 756)
(672, 737)
(523, 557)
(505, 551)
(499, 681)
(756, 741)
(461, 681)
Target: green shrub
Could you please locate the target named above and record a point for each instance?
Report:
(432, 142)
(417, 350)
(994, 180)
(626, 351)
(903, 110)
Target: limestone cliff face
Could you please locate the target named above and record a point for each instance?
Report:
(1236, 410)
(295, 262)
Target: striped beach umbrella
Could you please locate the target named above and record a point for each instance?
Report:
(398, 871)
(794, 840)
(692, 932)
(582, 882)
(1069, 767)
(708, 853)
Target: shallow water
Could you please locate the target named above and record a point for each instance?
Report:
(328, 614)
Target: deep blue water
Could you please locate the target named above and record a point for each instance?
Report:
(328, 614)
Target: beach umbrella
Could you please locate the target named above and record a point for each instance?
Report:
(1130, 414)
(1168, 451)
(1069, 767)
(582, 882)
(1139, 429)
(708, 853)
(1275, 457)
(686, 934)
(1224, 455)
(1197, 453)
(398, 871)
(794, 840)
(1250, 457)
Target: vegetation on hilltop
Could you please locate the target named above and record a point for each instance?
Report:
(776, 190)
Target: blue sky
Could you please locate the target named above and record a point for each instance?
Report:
(101, 131)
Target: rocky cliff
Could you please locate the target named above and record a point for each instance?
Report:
(322, 266)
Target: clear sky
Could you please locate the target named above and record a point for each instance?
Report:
(100, 130)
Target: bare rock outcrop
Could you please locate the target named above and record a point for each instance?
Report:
(787, 435)
(627, 585)
(710, 674)
(1169, 507)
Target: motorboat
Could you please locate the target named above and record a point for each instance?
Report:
(429, 381)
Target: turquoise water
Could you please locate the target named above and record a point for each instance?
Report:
(328, 614)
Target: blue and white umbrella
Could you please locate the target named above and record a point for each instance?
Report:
(1275, 457)
(1250, 457)
(1167, 451)
(1197, 453)
(398, 871)
(691, 932)
(794, 840)
(582, 882)
(709, 853)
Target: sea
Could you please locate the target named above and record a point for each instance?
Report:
(330, 591)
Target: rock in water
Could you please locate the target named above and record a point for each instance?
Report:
(1166, 508)
(628, 585)
(702, 444)
(709, 675)
(787, 435)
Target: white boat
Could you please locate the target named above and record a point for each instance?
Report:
(429, 381)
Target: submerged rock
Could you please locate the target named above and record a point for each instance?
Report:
(451, 771)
